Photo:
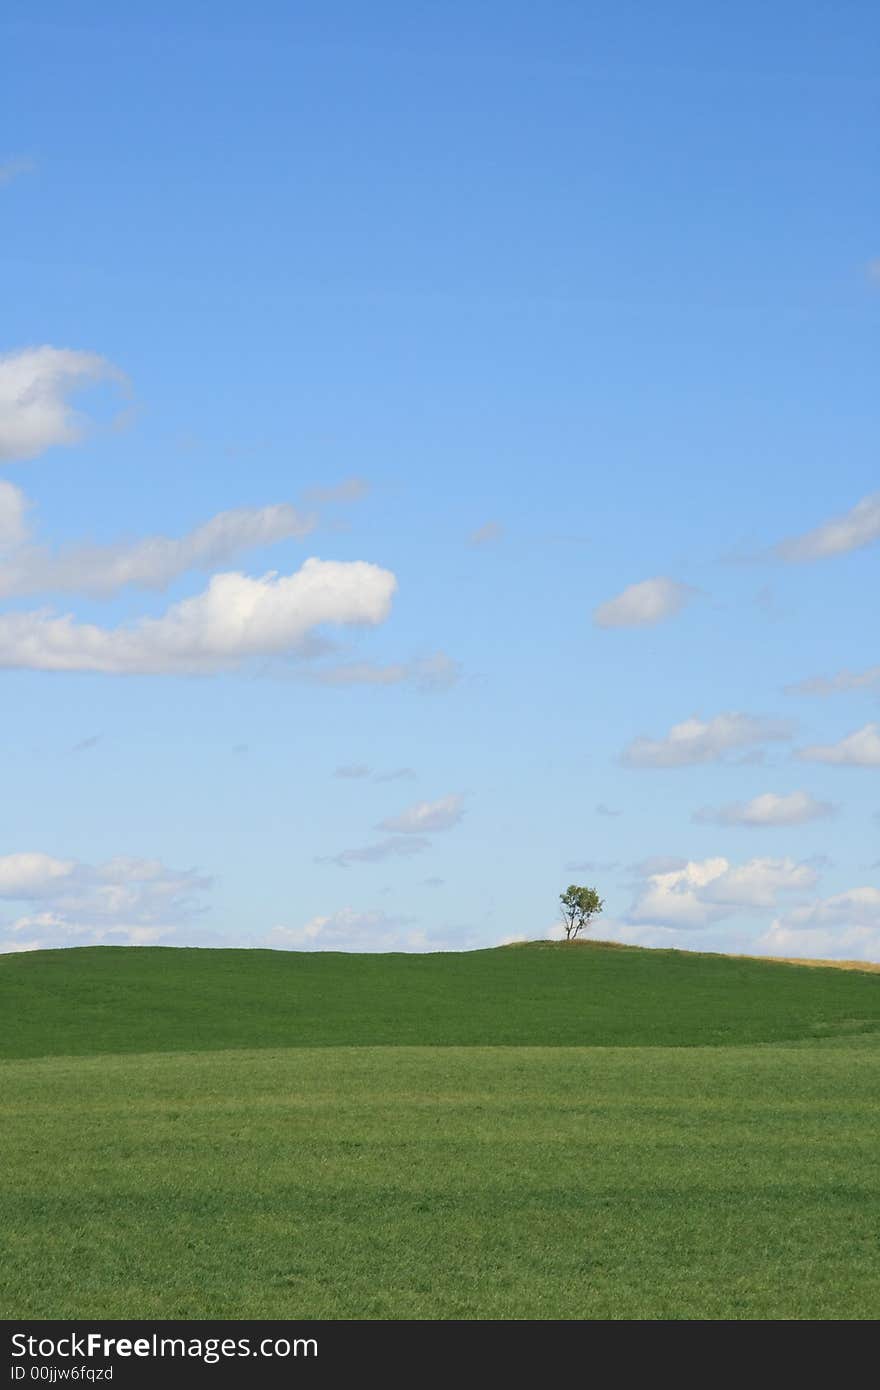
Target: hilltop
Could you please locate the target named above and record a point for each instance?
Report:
(123, 999)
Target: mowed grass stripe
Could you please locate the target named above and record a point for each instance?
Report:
(126, 999)
(444, 1182)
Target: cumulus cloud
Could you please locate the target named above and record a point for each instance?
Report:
(485, 535)
(125, 900)
(845, 926)
(35, 389)
(373, 854)
(702, 892)
(13, 527)
(348, 930)
(642, 605)
(858, 749)
(151, 563)
(771, 808)
(858, 527)
(699, 741)
(832, 943)
(426, 816)
(844, 681)
(427, 674)
(234, 619)
(32, 875)
(857, 907)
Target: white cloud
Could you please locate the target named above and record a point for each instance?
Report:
(833, 685)
(847, 943)
(426, 816)
(35, 385)
(348, 930)
(858, 749)
(758, 882)
(13, 528)
(427, 674)
(133, 901)
(857, 907)
(858, 527)
(704, 891)
(151, 563)
(845, 926)
(699, 741)
(373, 854)
(234, 619)
(34, 875)
(642, 605)
(771, 808)
(671, 899)
(485, 535)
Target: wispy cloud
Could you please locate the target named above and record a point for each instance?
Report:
(858, 527)
(35, 389)
(426, 816)
(842, 683)
(13, 524)
(589, 866)
(486, 534)
(704, 741)
(235, 619)
(86, 744)
(769, 809)
(427, 675)
(402, 848)
(349, 490)
(349, 930)
(858, 749)
(14, 168)
(644, 604)
(151, 563)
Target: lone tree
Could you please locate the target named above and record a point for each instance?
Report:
(578, 906)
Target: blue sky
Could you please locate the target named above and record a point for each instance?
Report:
(438, 463)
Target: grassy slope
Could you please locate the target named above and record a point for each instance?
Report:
(232, 1149)
(120, 999)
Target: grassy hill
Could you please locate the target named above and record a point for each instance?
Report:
(531, 1132)
(154, 999)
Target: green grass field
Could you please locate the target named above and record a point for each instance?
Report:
(535, 1132)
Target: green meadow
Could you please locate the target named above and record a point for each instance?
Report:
(530, 1132)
